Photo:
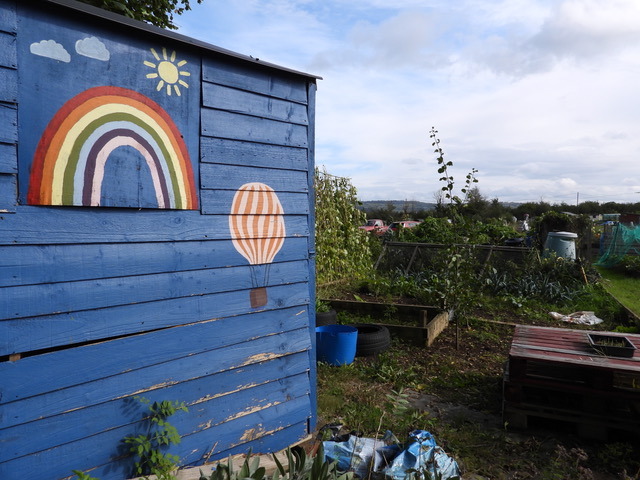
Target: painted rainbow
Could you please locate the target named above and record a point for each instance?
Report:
(69, 162)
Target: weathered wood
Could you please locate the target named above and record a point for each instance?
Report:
(82, 295)
(232, 177)
(8, 56)
(8, 192)
(104, 449)
(38, 264)
(217, 123)
(254, 79)
(249, 103)
(232, 400)
(8, 123)
(50, 331)
(8, 84)
(98, 379)
(66, 225)
(234, 152)
(8, 158)
(552, 373)
(218, 201)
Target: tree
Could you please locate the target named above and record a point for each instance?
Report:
(156, 12)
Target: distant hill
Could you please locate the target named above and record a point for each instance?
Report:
(399, 205)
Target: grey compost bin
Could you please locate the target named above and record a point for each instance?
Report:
(562, 244)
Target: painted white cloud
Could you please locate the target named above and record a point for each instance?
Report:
(50, 49)
(92, 47)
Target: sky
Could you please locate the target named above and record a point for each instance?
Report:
(541, 97)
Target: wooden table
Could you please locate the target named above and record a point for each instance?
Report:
(554, 375)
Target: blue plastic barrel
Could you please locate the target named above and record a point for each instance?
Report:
(563, 244)
(336, 344)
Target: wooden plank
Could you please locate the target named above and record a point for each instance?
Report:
(254, 79)
(84, 225)
(104, 449)
(217, 123)
(8, 85)
(36, 264)
(214, 408)
(45, 299)
(232, 177)
(248, 103)
(8, 52)
(98, 377)
(8, 122)
(233, 152)
(49, 331)
(8, 17)
(8, 158)
(8, 192)
(218, 201)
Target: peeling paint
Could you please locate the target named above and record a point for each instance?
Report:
(255, 433)
(260, 357)
(148, 389)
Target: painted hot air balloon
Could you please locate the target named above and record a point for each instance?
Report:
(257, 228)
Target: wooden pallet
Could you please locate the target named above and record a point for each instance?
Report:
(554, 375)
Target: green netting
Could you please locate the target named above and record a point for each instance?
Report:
(617, 242)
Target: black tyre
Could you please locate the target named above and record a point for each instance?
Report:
(372, 339)
(326, 318)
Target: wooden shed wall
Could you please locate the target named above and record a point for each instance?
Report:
(98, 305)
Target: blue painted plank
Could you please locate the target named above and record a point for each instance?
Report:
(8, 158)
(8, 122)
(49, 331)
(208, 405)
(274, 442)
(238, 101)
(8, 85)
(40, 225)
(8, 192)
(217, 123)
(233, 152)
(232, 177)
(312, 246)
(104, 449)
(255, 79)
(8, 17)
(35, 264)
(8, 55)
(218, 201)
(96, 363)
(45, 299)
(239, 432)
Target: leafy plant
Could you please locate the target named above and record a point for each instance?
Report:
(300, 466)
(83, 476)
(160, 434)
(342, 250)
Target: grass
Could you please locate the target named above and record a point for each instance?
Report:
(623, 288)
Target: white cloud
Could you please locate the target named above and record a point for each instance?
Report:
(50, 49)
(539, 95)
(93, 48)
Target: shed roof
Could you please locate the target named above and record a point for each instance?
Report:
(129, 22)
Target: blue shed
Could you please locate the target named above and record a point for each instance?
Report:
(156, 240)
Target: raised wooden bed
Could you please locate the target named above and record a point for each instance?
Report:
(418, 324)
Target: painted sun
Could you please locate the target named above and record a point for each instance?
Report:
(168, 72)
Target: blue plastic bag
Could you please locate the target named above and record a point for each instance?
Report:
(365, 455)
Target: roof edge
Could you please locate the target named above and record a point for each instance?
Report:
(130, 22)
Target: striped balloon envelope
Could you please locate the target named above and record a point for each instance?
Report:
(256, 223)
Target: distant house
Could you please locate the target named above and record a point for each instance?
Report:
(156, 239)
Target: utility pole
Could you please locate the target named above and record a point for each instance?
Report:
(577, 199)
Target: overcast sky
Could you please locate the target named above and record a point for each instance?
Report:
(542, 97)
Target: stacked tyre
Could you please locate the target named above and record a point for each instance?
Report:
(372, 339)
